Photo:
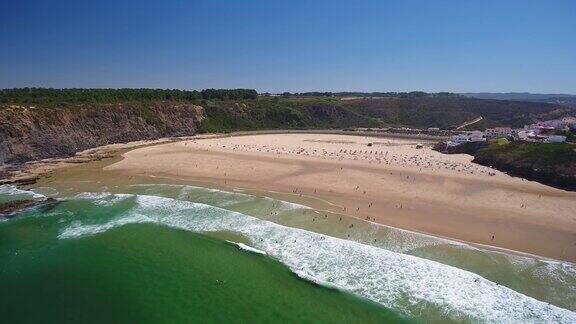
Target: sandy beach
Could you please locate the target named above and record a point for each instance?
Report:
(388, 181)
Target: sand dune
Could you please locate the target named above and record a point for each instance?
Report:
(384, 180)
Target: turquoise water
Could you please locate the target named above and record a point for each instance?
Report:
(160, 253)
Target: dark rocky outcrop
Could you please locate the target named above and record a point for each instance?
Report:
(465, 148)
(11, 208)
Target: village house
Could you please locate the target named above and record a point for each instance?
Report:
(570, 122)
(476, 136)
(523, 135)
(542, 132)
(556, 123)
(539, 128)
(473, 136)
(498, 132)
(556, 139)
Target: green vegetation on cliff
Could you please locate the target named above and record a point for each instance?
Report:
(61, 97)
(332, 112)
(281, 113)
(243, 109)
(412, 94)
(536, 155)
(553, 164)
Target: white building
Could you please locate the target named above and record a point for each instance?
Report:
(523, 135)
(474, 136)
(556, 139)
(458, 139)
(498, 132)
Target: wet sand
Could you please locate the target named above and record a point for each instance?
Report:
(383, 180)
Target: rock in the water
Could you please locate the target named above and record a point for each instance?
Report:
(10, 208)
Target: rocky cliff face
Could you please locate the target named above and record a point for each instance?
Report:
(32, 133)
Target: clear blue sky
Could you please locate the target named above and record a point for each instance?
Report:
(287, 45)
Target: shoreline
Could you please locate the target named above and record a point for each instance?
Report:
(296, 199)
(319, 205)
(426, 202)
(332, 201)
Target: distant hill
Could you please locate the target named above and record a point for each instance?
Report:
(515, 95)
(560, 99)
(423, 112)
(448, 112)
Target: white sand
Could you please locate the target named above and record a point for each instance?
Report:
(390, 182)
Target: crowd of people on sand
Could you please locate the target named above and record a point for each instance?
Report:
(386, 155)
(417, 159)
(400, 156)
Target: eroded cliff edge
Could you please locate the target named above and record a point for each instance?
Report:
(34, 132)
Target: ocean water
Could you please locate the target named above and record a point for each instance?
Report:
(179, 253)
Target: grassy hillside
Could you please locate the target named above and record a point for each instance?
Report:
(559, 99)
(322, 112)
(243, 109)
(449, 112)
(274, 113)
(536, 155)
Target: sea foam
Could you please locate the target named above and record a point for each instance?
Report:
(10, 190)
(409, 284)
(220, 198)
(245, 247)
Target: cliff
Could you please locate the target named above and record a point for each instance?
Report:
(38, 123)
(36, 132)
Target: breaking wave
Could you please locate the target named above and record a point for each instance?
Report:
(13, 191)
(412, 285)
